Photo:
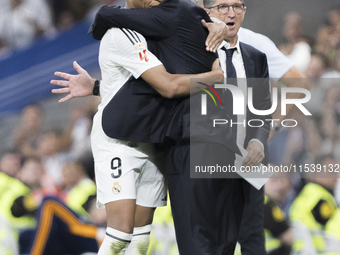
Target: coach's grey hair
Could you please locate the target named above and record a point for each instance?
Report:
(197, 1)
(209, 3)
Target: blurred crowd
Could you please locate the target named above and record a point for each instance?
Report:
(54, 162)
(58, 162)
(302, 214)
(22, 21)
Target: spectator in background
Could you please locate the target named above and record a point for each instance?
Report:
(76, 136)
(280, 188)
(98, 3)
(67, 12)
(60, 231)
(315, 207)
(297, 48)
(52, 157)
(321, 76)
(32, 174)
(328, 39)
(10, 189)
(282, 235)
(329, 122)
(278, 232)
(29, 130)
(24, 21)
(77, 188)
(62, 215)
(10, 163)
(313, 138)
(334, 18)
(10, 186)
(320, 67)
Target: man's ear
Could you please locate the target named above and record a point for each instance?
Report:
(207, 11)
(244, 13)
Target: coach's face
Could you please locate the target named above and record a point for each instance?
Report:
(232, 16)
(144, 3)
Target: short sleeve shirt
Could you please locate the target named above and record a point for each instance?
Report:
(122, 53)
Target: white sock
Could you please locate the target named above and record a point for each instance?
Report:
(140, 241)
(115, 242)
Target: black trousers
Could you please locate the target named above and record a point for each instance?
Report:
(207, 212)
(251, 237)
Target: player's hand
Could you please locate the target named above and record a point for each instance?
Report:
(217, 33)
(79, 85)
(255, 154)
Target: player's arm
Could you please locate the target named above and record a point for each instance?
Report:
(178, 85)
(168, 85)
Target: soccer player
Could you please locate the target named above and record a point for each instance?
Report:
(129, 183)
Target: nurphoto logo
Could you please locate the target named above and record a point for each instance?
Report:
(239, 104)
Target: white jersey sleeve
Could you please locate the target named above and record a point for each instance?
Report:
(128, 49)
(278, 63)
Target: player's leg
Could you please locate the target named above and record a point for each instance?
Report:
(141, 233)
(116, 191)
(151, 193)
(144, 215)
(120, 222)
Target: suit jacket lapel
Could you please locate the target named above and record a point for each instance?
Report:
(248, 61)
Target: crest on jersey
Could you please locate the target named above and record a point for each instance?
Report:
(116, 189)
(138, 46)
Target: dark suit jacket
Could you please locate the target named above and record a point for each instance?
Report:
(255, 64)
(175, 35)
(256, 68)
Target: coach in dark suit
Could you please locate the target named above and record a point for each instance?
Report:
(251, 235)
(206, 212)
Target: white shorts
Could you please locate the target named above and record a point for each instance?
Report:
(131, 171)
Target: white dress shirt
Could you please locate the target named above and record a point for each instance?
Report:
(241, 83)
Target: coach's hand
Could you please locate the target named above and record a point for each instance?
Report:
(217, 33)
(79, 85)
(255, 154)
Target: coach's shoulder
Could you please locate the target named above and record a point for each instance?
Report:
(252, 50)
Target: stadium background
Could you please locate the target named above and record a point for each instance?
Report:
(27, 66)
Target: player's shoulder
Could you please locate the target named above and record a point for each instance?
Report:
(124, 35)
